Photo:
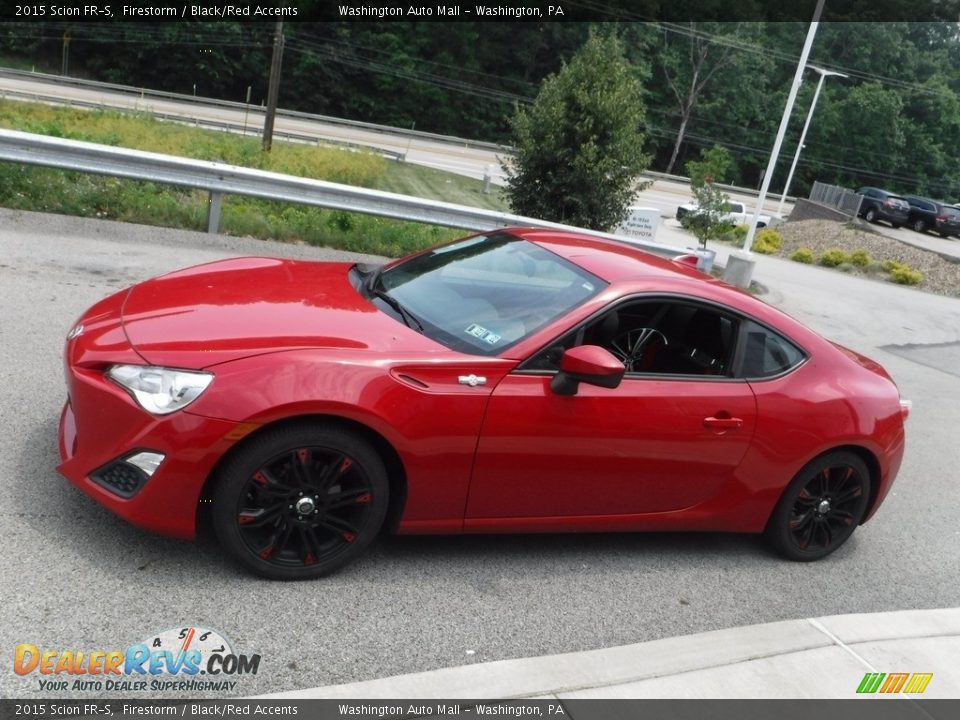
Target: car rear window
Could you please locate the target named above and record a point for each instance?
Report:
(766, 353)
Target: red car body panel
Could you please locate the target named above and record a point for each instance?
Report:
(288, 339)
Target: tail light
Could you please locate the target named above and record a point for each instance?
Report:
(905, 407)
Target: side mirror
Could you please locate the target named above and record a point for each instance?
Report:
(587, 363)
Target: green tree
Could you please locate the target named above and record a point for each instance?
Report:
(707, 222)
(579, 147)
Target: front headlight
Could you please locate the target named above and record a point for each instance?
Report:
(160, 390)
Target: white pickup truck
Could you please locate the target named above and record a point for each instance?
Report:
(737, 213)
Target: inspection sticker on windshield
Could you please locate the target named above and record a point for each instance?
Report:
(491, 338)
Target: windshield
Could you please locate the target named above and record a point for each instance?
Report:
(482, 294)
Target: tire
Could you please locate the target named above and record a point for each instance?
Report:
(919, 226)
(896, 226)
(298, 502)
(871, 215)
(820, 508)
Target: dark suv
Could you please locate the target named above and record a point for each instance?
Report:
(879, 204)
(927, 214)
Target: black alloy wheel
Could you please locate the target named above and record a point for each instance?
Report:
(821, 507)
(299, 502)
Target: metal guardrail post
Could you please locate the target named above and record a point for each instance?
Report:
(213, 211)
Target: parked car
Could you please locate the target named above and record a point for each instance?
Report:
(927, 214)
(736, 213)
(880, 204)
(520, 381)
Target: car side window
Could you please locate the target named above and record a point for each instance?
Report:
(765, 353)
(664, 337)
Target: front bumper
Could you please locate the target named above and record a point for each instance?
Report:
(101, 423)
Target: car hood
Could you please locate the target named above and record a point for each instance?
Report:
(237, 308)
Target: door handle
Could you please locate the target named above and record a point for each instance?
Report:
(722, 423)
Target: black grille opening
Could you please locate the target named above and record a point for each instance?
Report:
(120, 477)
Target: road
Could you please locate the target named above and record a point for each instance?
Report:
(463, 159)
(77, 578)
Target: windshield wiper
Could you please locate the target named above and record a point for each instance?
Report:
(408, 317)
(373, 287)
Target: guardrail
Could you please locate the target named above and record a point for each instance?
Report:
(220, 179)
(142, 94)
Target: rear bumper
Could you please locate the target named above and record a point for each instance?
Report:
(892, 217)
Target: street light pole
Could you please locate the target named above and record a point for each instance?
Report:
(784, 121)
(803, 134)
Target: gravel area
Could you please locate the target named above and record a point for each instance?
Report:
(940, 275)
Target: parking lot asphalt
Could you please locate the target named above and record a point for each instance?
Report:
(74, 577)
(806, 658)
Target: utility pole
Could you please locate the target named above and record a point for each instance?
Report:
(65, 60)
(274, 90)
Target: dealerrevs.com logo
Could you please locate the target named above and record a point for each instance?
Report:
(191, 659)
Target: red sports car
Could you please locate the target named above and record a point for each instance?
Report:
(518, 381)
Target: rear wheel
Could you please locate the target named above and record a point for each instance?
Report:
(300, 501)
(919, 226)
(821, 507)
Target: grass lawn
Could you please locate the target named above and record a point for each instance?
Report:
(55, 191)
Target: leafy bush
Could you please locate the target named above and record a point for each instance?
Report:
(905, 276)
(767, 241)
(860, 258)
(891, 265)
(802, 255)
(735, 235)
(834, 257)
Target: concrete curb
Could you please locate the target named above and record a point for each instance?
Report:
(834, 651)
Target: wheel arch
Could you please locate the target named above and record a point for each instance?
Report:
(396, 472)
(869, 459)
(873, 466)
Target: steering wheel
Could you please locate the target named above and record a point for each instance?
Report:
(630, 347)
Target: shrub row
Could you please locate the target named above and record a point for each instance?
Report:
(899, 273)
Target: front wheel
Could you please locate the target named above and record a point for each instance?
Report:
(300, 501)
(919, 226)
(871, 215)
(821, 507)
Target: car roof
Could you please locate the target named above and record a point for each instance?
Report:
(879, 190)
(609, 260)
